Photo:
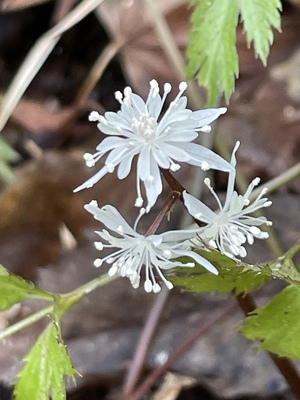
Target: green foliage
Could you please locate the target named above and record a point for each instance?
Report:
(46, 365)
(235, 276)
(238, 277)
(14, 289)
(277, 324)
(258, 18)
(7, 155)
(212, 54)
(211, 51)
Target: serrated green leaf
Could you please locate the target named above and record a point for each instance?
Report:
(211, 52)
(46, 365)
(7, 155)
(277, 324)
(14, 289)
(258, 19)
(284, 268)
(238, 277)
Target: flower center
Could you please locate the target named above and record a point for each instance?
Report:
(145, 127)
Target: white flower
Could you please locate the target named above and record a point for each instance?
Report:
(232, 226)
(133, 250)
(159, 142)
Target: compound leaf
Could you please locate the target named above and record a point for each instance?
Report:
(277, 324)
(233, 276)
(258, 19)
(211, 52)
(46, 364)
(14, 289)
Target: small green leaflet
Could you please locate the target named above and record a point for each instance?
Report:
(7, 155)
(46, 365)
(238, 277)
(284, 267)
(277, 324)
(258, 18)
(211, 51)
(14, 289)
(212, 54)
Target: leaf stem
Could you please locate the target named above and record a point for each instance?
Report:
(26, 322)
(65, 300)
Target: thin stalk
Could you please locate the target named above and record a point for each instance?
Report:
(146, 337)
(182, 349)
(170, 48)
(143, 345)
(26, 322)
(67, 301)
(172, 199)
(96, 72)
(281, 180)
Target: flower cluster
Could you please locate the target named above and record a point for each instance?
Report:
(154, 252)
(164, 141)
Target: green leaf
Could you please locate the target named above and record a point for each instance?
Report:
(283, 268)
(233, 276)
(277, 324)
(46, 365)
(7, 155)
(258, 18)
(211, 52)
(14, 289)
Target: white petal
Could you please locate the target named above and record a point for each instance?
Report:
(198, 209)
(205, 117)
(199, 154)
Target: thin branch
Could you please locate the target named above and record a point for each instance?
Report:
(150, 380)
(69, 299)
(143, 346)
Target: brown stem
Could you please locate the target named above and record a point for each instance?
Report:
(143, 346)
(173, 182)
(150, 380)
(171, 200)
(285, 366)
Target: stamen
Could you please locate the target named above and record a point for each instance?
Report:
(98, 245)
(119, 97)
(89, 160)
(205, 129)
(175, 167)
(156, 288)
(98, 262)
(138, 202)
(148, 286)
(94, 116)
(204, 166)
(167, 88)
(141, 213)
(110, 168)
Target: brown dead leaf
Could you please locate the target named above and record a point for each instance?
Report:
(172, 386)
(142, 56)
(38, 117)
